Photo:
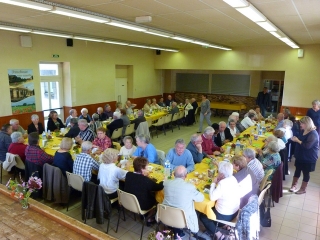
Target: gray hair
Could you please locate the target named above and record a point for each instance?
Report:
(74, 120)
(222, 122)
(251, 115)
(84, 110)
(208, 130)
(71, 111)
(274, 146)
(15, 136)
(117, 115)
(179, 141)
(143, 138)
(85, 146)
(272, 138)
(174, 104)
(235, 114)
(34, 117)
(288, 123)
(226, 169)
(127, 138)
(316, 102)
(82, 122)
(180, 172)
(232, 121)
(194, 137)
(140, 113)
(13, 121)
(95, 116)
(249, 153)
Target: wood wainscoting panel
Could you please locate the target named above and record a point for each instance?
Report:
(24, 119)
(296, 111)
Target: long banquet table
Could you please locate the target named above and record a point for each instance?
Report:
(227, 106)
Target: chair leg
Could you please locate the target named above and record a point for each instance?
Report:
(1, 173)
(118, 218)
(144, 222)
(124, 215)
(69, 199)
(85, 215)
(108, 224)
(164, 129)
(135, 219)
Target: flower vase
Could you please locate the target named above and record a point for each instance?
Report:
(24, 203)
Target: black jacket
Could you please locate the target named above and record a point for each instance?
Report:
(117, 123)
(52, 126)
(73, 132)
(32, 128)
(137, 121)
(227, 135)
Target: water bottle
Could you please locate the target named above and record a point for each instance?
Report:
(260, 132)
(237, 150)
(258, 127)
(44, 135)
(167, 169)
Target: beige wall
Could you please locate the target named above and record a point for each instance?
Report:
(302, 75)
(92, 68)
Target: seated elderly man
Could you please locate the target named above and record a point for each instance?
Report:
(17, 128)
(17, 146)
(248, 121)
(253, 163)
(101, 114)
(208, 145)
(248, 183)
(146, 149)
(73, 114)
(74, 130)
(224, 135)
(129, 107)
(174, 108)
(5, 140)
(195, 148)
(169, 101)
(34, 153)
(161, 103)
(107, 111)
(85, 134)
(139, 119)
(251, 111)
(180, 156)
(181, 194)
(84, 163)
(115, 124)
(280, 118)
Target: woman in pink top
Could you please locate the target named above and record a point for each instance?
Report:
(102, 142)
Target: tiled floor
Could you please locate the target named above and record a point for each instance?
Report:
(294, 217)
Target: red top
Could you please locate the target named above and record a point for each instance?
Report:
(18, 149)
(102, 143)
(208, 146)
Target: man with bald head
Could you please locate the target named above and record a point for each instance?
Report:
(129, 107)
(169, 101)
(224, 135)
(181, 194)
(280, 118)
(102, 115)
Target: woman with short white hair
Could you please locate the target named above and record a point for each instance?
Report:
(85, 115)
(35, 126)
(225, 191)
(272, 159)
(17, 146)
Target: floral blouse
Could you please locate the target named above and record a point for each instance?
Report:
(102, 143)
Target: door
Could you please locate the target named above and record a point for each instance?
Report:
(121, 90)
(51, 89)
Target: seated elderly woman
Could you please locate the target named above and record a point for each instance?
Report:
(271, 159)
(85, 115)
(280, 135)
(270, 139)
(139, 119)
(96, 123)
(253, 163)
(54, 123)
(248, 121)
(128, 149)
(146, 149)
(233, 128)
(286, 128)
(147, 106)
(102, 141)
(118, 106)
(208, 145)
(35, 126)
(138, 184)
(62, 158)
(17, 146)
(225, 191)
(109, 174)
(188, 113)
(154, 104)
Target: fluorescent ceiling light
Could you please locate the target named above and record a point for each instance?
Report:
(159, 33)
(75, 14)
(252, 13)
(16, 29)
(237, 3)
(267, 25)
(118, 43)
(183, 39)
(276, 34)
(220, 47)
(52, 34)
(294, 46)
(28, 4)
(126, 25)
(170, 50)
(285, 39)
(201, 43)
(139, 46)
(88, 39)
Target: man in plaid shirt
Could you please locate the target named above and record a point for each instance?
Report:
(85, 134)
(34, 153)
(84, 163)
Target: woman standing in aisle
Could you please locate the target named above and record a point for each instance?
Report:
(205, 112)
(306, 154)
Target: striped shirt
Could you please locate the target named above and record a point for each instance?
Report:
(87, 134)
(257, 168)
(84, 164)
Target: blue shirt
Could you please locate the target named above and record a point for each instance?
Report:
(280, 125)
(149, 152)
(315, 116)
(185, 159)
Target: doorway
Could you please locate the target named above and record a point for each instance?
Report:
(121, 90)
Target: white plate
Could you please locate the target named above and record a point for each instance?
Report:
(55, 148)
(149, 168)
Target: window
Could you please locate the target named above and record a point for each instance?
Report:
(233, 84)
(192, 82)
(48, 69)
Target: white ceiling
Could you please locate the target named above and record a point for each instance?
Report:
(209, 20)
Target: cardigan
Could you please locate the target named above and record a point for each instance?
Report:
(227, 135)
(32, 128)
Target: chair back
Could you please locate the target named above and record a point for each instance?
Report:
(175, 117)
(129, 201)
(117, 133)
(181, 114)
(116, 145)
(263, 193)
(20, 163)
(129, 129)
(161, 156)
(75, 181)
(171, 216)
(160, 122)
(168, 118)
(265, 179)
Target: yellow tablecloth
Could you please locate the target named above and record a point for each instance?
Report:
(226, 106)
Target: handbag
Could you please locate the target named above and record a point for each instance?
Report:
(265, 216)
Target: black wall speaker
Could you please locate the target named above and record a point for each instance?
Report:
(158, 52)
(69, 42)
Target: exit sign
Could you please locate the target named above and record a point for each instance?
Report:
(55, 55)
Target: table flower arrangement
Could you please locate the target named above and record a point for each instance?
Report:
(23, 190)
(162, 235)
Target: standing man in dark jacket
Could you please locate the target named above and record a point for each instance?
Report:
(264, 101)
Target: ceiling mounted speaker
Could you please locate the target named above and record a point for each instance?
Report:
(143, 19)
(25, 41)
(158, 52)
(300, 53)
(69, 42)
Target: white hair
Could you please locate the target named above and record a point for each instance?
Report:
(249, 153)
(82, 122)
(274, 146)
(13, 121)
(117, 115)
(235, 114)
(84, 110)
(15, 136)
(34, 117)
(226, 169)
(208, 130)
(287, 123)
(86, 145)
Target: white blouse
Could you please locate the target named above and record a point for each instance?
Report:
(125, 151)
